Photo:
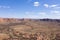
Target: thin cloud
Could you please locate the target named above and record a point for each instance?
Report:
(0, 6)
(29, 0)
(35, 14)
(42, 13)
(52, 6)
(4, 6)
(58, 7)
(28, 12)
(55, 11)
(36, 4)
(55, 14)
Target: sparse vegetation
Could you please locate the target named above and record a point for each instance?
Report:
(30, 30)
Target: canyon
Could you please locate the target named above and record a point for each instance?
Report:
(29, 29)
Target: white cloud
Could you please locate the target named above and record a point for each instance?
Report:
(55, 6)
(55, 12)
(52, 6)
(46, 5)
(4, 6)
(36, 4)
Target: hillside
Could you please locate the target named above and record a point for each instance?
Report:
(29, 29)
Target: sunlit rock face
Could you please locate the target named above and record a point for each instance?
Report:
(4, 20)
(1, 20)
(4, 36)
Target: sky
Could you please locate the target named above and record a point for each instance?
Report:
(30, 9)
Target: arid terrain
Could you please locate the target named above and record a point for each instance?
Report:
(29, 29)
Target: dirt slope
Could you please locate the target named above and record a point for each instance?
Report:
(30, 29)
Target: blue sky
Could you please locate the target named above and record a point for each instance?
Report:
(30, 9)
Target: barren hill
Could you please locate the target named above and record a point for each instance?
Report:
(27, 28)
